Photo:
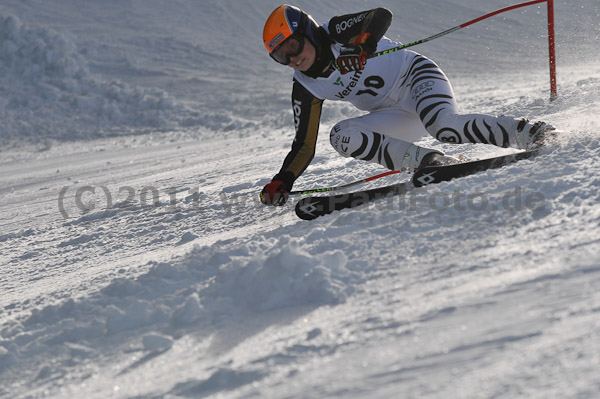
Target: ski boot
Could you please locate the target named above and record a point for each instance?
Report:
(417, 157)
(533, 135)
(437, 159)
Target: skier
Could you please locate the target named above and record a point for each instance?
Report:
(405, 94)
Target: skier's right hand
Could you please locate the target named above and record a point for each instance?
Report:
(274, 193)
(351, 58)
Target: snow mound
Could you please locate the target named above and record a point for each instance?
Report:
(284, 276)
(47, 90)
(206, 286)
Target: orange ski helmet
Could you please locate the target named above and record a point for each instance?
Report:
(286, 21)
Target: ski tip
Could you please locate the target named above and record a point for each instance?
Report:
(310, 208)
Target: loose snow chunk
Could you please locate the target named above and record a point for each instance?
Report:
(190, 312)
(156, 342)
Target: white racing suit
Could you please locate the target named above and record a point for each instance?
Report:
(421, 101)
(406, 96)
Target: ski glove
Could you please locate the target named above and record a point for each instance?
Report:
(274, 193)
(351, 58)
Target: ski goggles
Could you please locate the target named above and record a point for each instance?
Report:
(290, 47)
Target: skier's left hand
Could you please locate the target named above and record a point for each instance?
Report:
(352, 58)
(274, 193)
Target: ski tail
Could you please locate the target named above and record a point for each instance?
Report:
(438, 174)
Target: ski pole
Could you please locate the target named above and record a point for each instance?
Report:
(444, 33)
(335, 188)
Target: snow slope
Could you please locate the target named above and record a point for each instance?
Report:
(136, 261)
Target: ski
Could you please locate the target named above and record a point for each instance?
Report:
(437, 174)
(310, 208)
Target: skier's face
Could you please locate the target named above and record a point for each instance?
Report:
(304, 60)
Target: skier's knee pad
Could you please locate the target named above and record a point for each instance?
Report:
(353, 139)
(344, 137)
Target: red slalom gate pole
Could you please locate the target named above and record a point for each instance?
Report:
(551, 51)
(529, 3)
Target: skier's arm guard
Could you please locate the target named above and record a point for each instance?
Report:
(307, 116)
(365, 28)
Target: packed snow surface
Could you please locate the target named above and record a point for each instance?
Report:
(137, 262)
